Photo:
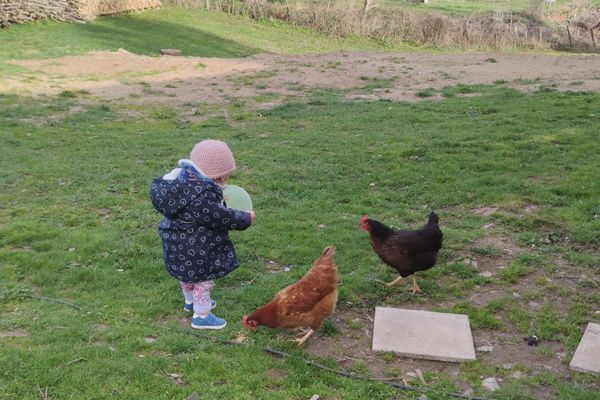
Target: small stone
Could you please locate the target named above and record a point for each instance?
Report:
(534, 305)
(315, 397)
(423, 397)
(516, 295)
(517, 374)
(490, 384)
(561, 356)
(71, 249)
(488, 226)
(286, 269)
(322, 226)
(193, 396)
(470, 261)
(149, 339)
(411, 374)
(468, 393)
(485, 349)
(372, 184)
(120, 270)
(507, 366)
(486, 274)
(531, 208)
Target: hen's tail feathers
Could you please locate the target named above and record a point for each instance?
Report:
(433, 218)
(328, 251)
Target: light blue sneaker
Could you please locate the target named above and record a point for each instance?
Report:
(189, 307)
(210, 322)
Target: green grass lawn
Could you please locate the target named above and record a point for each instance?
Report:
(196, 32)
(77, 225)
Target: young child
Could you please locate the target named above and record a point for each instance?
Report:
(194, 231)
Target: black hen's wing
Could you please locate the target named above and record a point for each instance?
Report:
(410, 251)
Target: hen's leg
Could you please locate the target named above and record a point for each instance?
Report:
(301, 331)
(415, 287)
(395, 282)
(304, 338)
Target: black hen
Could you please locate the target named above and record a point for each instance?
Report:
(405, 251)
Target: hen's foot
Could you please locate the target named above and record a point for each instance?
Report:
(395, 282)
(304, 338)
(416, 288)
(301, 331)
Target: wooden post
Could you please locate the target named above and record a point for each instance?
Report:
(593, 40)
(569, 33)
(207, 4)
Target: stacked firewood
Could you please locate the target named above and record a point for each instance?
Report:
(19, 11)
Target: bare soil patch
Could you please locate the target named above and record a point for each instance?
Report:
(510, 358)
(367, 75)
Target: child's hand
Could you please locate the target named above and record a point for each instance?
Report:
(252, 216)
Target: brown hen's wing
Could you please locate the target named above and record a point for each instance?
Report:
(302, 303)
(323, 309)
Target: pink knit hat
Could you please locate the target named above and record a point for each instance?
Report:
(214, 158)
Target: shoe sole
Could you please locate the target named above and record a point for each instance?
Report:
(209, 327)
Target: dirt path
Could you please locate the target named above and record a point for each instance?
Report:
(370, 75)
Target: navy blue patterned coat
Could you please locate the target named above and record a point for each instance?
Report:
(196, 245)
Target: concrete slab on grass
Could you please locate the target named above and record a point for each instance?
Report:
(587, 355)
(423, 334)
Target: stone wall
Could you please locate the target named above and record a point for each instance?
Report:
(20, 11)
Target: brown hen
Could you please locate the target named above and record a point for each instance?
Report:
(305, 304)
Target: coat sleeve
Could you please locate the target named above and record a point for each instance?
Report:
(214, 215)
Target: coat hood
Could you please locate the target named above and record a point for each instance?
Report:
(172, 197)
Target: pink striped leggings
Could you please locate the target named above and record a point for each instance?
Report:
(199, 294)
